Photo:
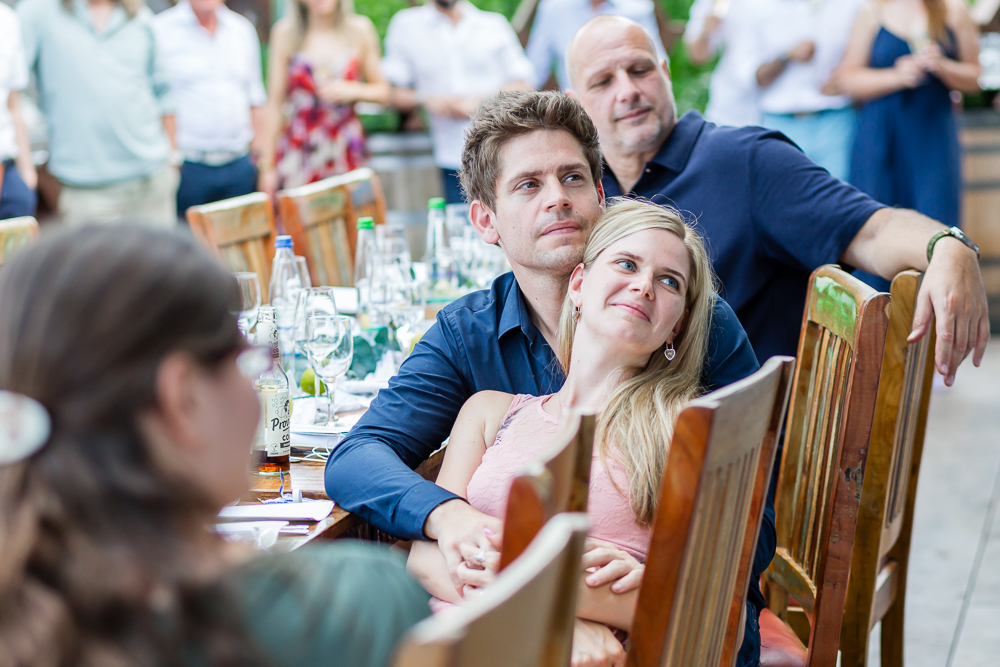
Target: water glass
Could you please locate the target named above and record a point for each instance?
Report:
(250, 299)
(329, 344)
(303, 268)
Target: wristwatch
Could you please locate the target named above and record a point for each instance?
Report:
(955, 233)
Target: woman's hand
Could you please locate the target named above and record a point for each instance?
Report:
(909, 71)
(594, 645)
(611, 564)
(339, 91)
(478, 568)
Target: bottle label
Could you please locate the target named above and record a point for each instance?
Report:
(276, 423)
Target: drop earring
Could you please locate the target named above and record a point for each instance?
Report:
(576, 314)
(670, 352)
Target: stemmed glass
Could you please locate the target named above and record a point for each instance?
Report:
(250, 299)
(329, 343)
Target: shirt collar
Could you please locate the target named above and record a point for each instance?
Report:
(117, 20)
(676, 150)
(185, 7)
(515, 312)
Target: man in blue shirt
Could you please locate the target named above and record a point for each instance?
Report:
(540, 211)
(769, 214)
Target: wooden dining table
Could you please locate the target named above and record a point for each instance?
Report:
(307, 477)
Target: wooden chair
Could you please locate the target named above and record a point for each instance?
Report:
(560, 482)
(16, 233)
(364, 198)
(316, 217)
(524, 618)
(240, 231)
(712, 498)
(819, 487)
(877, 587)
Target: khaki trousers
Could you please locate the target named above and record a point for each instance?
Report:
(151, 200)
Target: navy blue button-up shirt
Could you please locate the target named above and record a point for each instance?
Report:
(769, 215)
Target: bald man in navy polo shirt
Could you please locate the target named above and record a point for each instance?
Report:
(769, 214)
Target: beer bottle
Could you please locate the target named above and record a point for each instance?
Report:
(272, 445)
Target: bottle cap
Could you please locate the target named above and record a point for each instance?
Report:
(435, 202)
(366, 223)
(282, 241)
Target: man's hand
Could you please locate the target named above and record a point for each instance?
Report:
(803, 51)
(461, 529)
(595, 646)
(952, 292)
(611, 564)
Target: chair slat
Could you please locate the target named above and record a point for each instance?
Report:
(15, 233)
(317, 217)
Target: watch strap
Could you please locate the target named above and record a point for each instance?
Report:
(955, 233)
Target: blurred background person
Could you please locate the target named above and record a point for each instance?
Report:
(726, 26)
(106, 555)
(107, 107)
(556, 21)
(17, 188)
(212, 59)
(904, 58)
(323, 58)
(448, 56)
(799, 43)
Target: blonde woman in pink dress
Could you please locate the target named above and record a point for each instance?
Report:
(633, 339)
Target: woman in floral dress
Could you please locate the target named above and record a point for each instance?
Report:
(323, 59)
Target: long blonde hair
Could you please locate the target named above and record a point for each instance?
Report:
(636, 426)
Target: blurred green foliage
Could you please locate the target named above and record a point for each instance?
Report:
(690, 81)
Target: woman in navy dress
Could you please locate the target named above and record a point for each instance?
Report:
(903, 59)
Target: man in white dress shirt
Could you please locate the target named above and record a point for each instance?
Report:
(798, 45)
(556, 21)
(448, 56)
(726, 26)
(212, 59)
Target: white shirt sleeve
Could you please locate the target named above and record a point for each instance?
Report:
(396, 66)
(517, 66)
(19, 66)
(256, 93)
(539, 49)
(700, 10)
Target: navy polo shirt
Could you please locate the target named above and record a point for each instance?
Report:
(769, 215)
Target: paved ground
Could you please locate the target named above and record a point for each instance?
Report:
(953, 601)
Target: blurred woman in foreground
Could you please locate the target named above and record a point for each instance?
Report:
(107, 557)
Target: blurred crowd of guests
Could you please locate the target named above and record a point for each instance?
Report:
(148, 114)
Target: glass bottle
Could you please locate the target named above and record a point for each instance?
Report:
(365, 265)
(438, 257)
(286, 283)
(272, 446)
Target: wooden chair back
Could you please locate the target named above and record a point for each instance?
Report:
(559, 482)
(316, 217)
(364, 198)
(826, 442)
(877, 587)
(15, 233)
(524, 618)
(712, 498)
(240, 231)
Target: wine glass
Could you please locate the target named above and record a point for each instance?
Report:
(329, 344)
(312, 300)
(250, 299)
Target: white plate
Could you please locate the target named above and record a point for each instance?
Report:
(307, 510)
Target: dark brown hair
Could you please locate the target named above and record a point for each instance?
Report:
(511, 114)
(98, 565)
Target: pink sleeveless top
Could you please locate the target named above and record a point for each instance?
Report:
(526, 431)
